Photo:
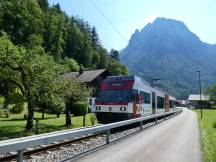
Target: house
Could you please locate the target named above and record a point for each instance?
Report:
(194, 100)
(93, 78)
(182, 103)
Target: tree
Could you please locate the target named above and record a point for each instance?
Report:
(29, 68)
(103, 58)
(86, 54)
(211, 90)
(50, 102)
(71, 63)
(116, 68)
(20, 19)
(44, 5)
(114, 55)
(72, 91)
(55, 27)
(6, 88)
(94, 38)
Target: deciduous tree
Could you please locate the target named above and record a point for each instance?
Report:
(72, 91)
(29, 69)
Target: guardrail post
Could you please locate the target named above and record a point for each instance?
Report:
(141, 124)
(20, 156)
(36, 126)
(108, 136)
(156, 120)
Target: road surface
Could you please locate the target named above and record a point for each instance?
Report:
(174, 140)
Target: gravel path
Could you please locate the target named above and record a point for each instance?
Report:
(175, 140)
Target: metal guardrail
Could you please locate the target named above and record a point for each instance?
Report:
(21, 144)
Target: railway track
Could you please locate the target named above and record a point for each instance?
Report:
(70, 149)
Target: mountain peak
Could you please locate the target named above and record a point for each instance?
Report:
(167, 49)
(167, 24)
(163, 29)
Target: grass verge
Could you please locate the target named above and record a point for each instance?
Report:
(14, 126)
(208, 134)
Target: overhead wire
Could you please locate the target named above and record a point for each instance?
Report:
(106, 44)
(107, 19)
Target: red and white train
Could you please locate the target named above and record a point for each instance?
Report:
(127, 97)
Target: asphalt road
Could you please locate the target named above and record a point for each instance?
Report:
(174, 140)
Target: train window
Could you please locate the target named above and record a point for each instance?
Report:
(171, 103)
(115, 96)
(135, 95)
(145, 97)
(160, 102)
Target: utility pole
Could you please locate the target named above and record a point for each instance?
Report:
(155, 82)
(200, 94)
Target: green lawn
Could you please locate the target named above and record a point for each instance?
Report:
(14, 126)
(208, 134)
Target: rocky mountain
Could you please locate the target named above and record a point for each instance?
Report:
(168, 50)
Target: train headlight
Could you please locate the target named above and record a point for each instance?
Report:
(123, 108)
(98, 108)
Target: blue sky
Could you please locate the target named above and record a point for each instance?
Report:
(129, 15)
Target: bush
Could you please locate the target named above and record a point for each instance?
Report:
(93, 118)
(25, 116)
(7, 114)
(1, 101)
(214, 124)
(17, 109)
(1, 112)
(79, 109)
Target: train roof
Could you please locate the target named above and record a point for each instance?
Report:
(135, 78)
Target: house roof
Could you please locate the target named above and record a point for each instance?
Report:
(196, 97)
(85, 76)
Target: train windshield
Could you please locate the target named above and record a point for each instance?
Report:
(115, 96)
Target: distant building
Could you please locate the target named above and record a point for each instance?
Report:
(194, 100)
(182, 102)
(93, 78)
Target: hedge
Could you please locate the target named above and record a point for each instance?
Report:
(79, 109)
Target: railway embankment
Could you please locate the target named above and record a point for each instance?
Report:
(80, 141)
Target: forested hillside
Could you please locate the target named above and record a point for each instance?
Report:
(63, 37)
(168, 50)
(38, 43)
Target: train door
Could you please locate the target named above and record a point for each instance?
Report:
(172, 106)
(153, 103)
(136, 103)
(166, 103)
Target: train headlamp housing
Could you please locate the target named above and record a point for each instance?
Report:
(98, 108)
(123, 108)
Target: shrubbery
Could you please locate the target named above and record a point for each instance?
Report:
(214, 124)
(17, 109)
(4, 113)
(93, 118)
(1, 101)
(79, 109)
(1, 112)
(7, 114)
(17, 101)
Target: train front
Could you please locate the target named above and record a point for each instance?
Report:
(114, 101)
